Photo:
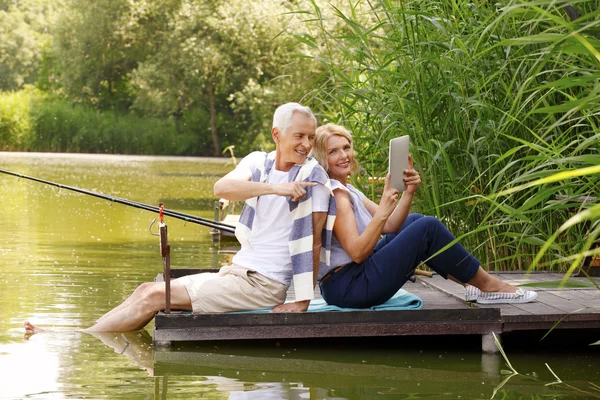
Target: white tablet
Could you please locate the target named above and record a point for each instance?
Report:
(398, 161)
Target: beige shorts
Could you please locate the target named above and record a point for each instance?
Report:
(233, 288)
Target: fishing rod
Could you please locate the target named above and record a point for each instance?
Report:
(175, 214)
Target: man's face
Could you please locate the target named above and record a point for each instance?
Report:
(297, 141)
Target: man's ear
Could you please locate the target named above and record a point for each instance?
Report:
(276, 135)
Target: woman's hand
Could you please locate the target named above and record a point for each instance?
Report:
(412, 179)
(389, 198)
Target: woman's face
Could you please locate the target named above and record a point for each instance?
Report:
(339, 157)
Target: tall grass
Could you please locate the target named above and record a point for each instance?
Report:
(493, 97)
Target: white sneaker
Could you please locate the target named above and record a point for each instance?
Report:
(471, 293)
(520, 296)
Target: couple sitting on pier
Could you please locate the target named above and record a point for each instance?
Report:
(303, 222)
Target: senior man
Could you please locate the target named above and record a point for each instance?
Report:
(287, 202)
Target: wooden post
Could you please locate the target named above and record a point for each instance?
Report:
(488, 343)
(216, 234)
(165, 251)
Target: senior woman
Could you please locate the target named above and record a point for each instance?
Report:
(368, 269)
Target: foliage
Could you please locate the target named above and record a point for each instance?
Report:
(220, 56)
(14, 119)
(24, 29)
(491, 97)
(95, 48)
(221, 65)
(61, 126)
(33, 121)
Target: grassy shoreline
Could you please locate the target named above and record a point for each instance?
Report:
(31, 120)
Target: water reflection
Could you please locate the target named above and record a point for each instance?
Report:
(279, 371)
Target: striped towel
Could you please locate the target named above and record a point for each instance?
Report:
(301, 236)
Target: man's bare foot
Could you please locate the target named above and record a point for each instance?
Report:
(31, 329)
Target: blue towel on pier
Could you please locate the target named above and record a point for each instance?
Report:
(402, 300)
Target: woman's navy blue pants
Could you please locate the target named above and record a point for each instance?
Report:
(395, 257)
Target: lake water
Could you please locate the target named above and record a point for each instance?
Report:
(66, 259)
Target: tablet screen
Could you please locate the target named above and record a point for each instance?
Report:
(398, 161)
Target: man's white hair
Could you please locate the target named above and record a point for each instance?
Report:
(282, 118)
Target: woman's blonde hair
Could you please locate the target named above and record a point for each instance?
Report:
(320, 148)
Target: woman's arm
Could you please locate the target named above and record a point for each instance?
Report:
(360, 247)
(398, 217)
(396, 220)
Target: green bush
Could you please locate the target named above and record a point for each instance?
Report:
(61, 126)
(15, 126)
(33, 121)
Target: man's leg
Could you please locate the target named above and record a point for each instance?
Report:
(31, 329)
(136, 295)
(135, 345)
(142, 308)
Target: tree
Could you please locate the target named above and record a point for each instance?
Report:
(211, 51)
(25, 27)
(96, 48)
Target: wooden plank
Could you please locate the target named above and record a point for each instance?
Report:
(537, 308)
(433, 298)
(330, 318)
(325, 330)
(544, 278)
(583, 298)
(585, 279)
(542, 322)
(583, 317)
(505, 309)
(447, 287)
(557, 302)
(445, 305)
(519, 279)
(542, 326)
(422, 289)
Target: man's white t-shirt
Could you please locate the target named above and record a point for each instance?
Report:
(269, 253)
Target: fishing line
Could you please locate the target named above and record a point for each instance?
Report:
(171, 213)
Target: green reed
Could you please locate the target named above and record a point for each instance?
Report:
(493, 97)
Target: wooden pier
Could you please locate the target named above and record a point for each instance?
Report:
(444, 313)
